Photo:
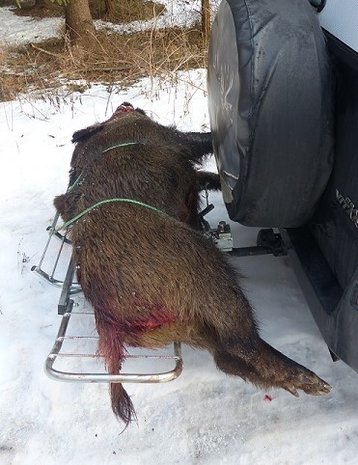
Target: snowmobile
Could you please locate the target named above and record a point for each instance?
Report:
(283, 105)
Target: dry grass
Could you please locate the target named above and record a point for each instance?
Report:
(112, 59)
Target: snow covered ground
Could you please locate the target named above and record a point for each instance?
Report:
(202, 418)
(19, 30)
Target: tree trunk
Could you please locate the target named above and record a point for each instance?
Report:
(205, 20)
(79, 23)
(109, 8)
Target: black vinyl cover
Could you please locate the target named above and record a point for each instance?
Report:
(335, 223)
(334, 226)
(270, 106)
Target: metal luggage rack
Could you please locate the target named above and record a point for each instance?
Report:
(73, 356)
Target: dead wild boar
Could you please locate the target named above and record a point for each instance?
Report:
(150, 275)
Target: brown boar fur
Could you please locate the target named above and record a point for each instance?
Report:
(151, 277)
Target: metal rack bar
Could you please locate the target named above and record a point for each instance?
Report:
(92, 377)
(65, 303)
(49, 277)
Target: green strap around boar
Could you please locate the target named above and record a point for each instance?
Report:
(102, 202)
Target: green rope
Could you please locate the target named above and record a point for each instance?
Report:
(123, 144)
(76, 182)
(81, 176)
(102, 202)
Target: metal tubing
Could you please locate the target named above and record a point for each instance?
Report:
(38, 269)
(52, 228)
(64, 301)
(161, 377)
(47, 277)
(58, 255)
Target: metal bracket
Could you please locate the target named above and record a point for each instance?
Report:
(51, 276)
(268, 243)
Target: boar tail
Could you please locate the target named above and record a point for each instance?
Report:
(111, 348)
(122, 405)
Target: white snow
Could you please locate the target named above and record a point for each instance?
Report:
(204, 417)
(20, 30)
(16, 30)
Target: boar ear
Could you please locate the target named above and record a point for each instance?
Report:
(65, 204)
(60, 203)
(84, 134)
(142, 112)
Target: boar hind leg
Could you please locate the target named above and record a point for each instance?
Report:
(197, 144)
(208, 180)
(238, 350)
(268, 368)
(200, 143)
